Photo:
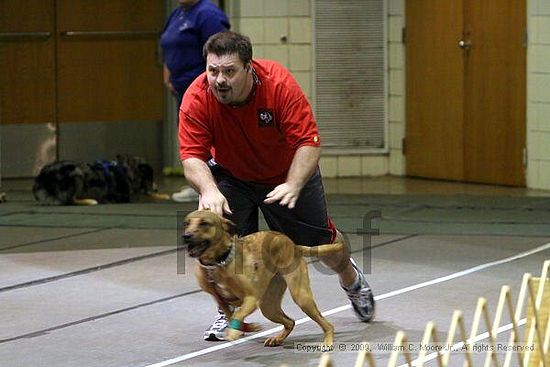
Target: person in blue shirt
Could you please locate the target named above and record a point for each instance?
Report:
(185, 33)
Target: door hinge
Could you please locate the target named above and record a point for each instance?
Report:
(404, 145)
(525, 38)
(525, 157)
(403, 35)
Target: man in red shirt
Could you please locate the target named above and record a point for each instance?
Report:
(248, 141)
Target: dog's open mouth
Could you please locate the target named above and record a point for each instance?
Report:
(197, 249)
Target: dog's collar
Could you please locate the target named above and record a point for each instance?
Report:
(224, 259)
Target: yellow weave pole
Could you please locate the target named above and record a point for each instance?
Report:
(399, 344)
(546, 339)
(544, 309)
(430, 334)
(326, 360)
(514, 335)
(534, 330)
(482, 311)
(365, 355)
(504, 299)
(535, 325)
(457, 322)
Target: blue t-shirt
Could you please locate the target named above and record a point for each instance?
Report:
(183, 37)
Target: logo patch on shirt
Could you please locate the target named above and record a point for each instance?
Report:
(265, 118)
(184, 26)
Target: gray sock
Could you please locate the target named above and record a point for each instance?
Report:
(355, 285)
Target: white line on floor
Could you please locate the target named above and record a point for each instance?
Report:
(397, 292)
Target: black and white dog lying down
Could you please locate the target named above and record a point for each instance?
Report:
(122, 180)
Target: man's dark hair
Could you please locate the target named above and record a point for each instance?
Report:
(227, 43)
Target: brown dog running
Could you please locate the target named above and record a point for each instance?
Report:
(246, 273)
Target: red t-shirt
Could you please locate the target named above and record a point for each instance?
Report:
(257, 141)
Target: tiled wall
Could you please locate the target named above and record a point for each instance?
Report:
(354, 165)
(396, 86)
(538, 94)
(265, 22)
(280, 30)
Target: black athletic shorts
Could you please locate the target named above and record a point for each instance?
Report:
(307, 224)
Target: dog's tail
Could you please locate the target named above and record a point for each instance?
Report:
(320, 250)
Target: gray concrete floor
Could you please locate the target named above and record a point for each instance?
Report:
(104, 286)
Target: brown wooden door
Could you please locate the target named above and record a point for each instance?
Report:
(27, 61)
(472, 114)
(108, 63)
(494, 118)
(435, 89)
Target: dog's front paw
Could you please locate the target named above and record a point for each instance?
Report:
(232, 334)
(274, 341)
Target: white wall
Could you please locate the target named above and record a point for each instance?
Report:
(396, 90)
(538, 94)
(279, 30)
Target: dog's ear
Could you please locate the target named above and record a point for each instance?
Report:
(229, 226)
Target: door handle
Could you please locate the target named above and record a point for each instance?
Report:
(465, 45)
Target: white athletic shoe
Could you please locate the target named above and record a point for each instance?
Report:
(216, 332)
(361, 297)
(185, 195)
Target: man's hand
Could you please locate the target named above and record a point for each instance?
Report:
(215, 201)
(303, 165)
(199, 176)
(170, 88)
(286, 194)
(166, 79)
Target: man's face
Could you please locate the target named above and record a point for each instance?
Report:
(228, 78)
